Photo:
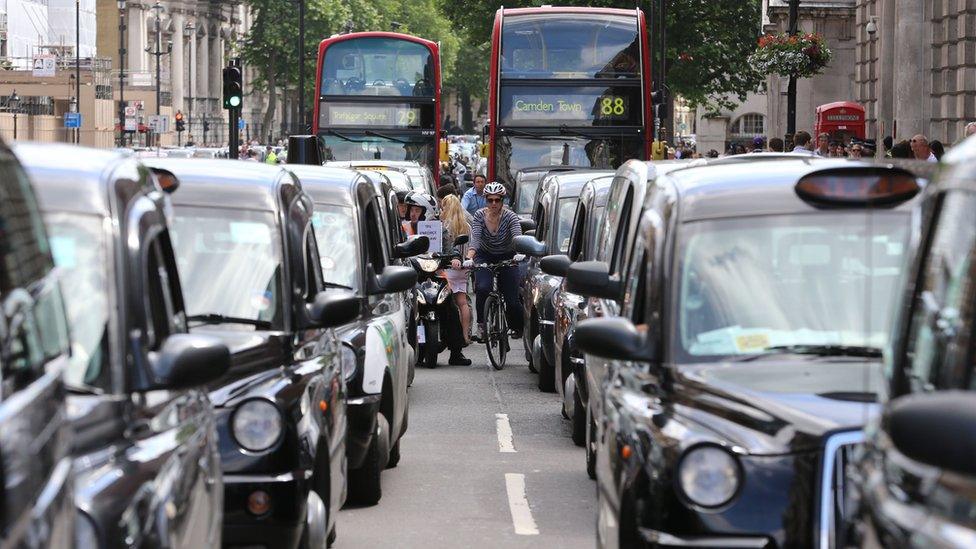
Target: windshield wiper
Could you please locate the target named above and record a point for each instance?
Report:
(827, 350)
(216, 318)
(345, 137)
(384, 136)
(566, 130)
(533, 135)
(336, 285)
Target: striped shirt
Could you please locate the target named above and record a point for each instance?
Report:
(499, 242)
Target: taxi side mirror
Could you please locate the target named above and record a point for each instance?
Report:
(392, 280)
(331, 308)
(188, 360)
(555, 265)
(592, 279)
(613, 338)
(935, 429)
(414, 245)
(528, 245)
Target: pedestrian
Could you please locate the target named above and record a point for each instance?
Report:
(757, 144)
(712, 153)
(271, 157)
(454, 218)
(739, 149)
(823, 145)
(921, 149)
(775, 145)
(474, 198)
(835, 150)
(856, 150)
(970, 129)
(801, 142)
(938, 149)
(902, 149)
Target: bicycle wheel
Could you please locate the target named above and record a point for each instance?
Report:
(496, 338)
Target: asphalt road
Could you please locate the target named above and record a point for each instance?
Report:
(461, 477)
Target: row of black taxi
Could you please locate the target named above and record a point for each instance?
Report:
(196, 353)
(764, 351)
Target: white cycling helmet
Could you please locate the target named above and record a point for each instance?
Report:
(495, 188)
(425, 201)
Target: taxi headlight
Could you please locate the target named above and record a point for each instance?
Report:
(443, 295)
(256, 425)
(428, 265)
(708, 475)
(349, 362)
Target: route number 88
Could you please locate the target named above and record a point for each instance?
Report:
(612, 106)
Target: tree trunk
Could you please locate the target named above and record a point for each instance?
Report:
(272, 100)
(467, 121)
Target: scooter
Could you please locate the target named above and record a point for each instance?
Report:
(432, 292)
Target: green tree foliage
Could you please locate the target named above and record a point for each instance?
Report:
(709, 42)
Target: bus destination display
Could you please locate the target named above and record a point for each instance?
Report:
(390, 116)
(535, 108)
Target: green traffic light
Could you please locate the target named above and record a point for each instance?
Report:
(235, 101)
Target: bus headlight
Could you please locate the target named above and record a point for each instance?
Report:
(256, 425)
(708, 475)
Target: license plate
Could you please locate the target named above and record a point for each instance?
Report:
(421, 335)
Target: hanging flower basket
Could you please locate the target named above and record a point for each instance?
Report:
(802, 56)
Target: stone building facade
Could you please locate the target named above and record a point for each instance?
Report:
(835, 20)
(200, 36)
(917, 73)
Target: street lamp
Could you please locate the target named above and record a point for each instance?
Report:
(121, 4)
(189, 31)
(13, 104)
(872, 29)
(158, 8)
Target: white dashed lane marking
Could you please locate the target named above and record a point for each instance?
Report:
(505, 439)
(519, 505)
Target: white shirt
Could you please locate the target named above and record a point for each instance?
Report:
(802, 150)
(931, 158)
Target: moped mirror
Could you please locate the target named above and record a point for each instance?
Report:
(414, 245)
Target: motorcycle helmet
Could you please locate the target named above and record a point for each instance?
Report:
(425, 201)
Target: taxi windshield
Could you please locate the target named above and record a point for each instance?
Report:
(525, 191)
(230, 264)
(749, 285)
(335, 232)
(78, 244)
(567, 213)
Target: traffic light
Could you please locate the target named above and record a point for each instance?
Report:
(180, 125)
(233, 88)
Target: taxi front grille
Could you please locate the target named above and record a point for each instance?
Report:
(834, 501)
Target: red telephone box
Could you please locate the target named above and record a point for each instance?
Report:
(842, 120)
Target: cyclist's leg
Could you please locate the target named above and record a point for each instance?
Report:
(482, 287)
(508, 284)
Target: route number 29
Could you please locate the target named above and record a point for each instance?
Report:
(611, 105)
(406, 117)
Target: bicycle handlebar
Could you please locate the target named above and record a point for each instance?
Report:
(495, 266)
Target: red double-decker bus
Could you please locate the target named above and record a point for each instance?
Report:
(378, 98)
(568, 86)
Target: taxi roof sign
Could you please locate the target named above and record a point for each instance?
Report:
(858, 187)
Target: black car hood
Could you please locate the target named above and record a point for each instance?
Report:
(256, 359)
(771, 407)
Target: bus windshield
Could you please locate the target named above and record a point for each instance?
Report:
(560, 46)
(341, 147)
(516, 153)
(378, 67)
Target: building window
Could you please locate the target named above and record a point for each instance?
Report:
(748, 125)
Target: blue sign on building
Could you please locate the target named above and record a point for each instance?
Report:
(72, 120)
(241, 123)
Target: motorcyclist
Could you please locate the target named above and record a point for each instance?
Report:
(493, 231)
(423, 207)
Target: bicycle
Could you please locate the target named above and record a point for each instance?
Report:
(496, 324)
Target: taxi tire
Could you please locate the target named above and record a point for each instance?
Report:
(394, 456)
(547, 375)
(579, 422)
(330, 540)
(365, 487)
(589, 446)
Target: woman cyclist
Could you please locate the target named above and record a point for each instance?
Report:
(493, 231)
(453, 217)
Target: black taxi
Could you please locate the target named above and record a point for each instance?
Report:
(915, 481)
(36, 482)
(747, 354)
(144, 437)
(354, 233)
(553, 214)
(248, 258)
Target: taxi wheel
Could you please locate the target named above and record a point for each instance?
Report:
(364, 483)
(394, 455)
(547, 375)
(330, 541)
(579, 421)
(590, 445)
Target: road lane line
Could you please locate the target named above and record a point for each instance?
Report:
(505, 442)
(519, 505)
